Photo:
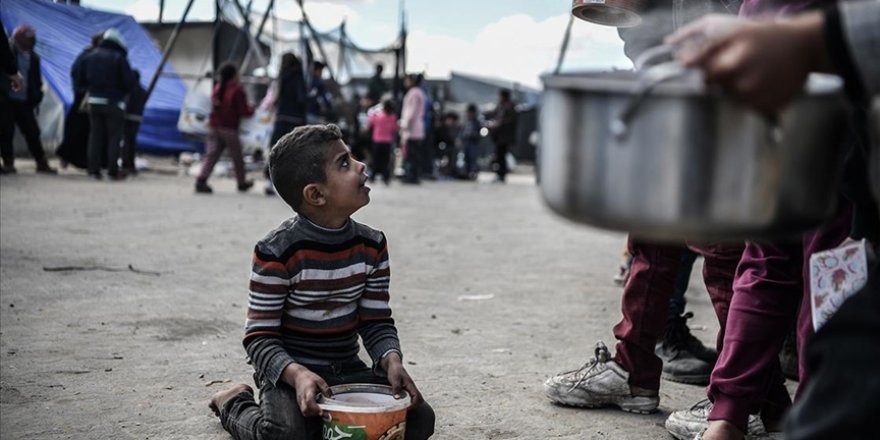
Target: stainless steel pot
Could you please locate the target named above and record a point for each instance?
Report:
(668, 159)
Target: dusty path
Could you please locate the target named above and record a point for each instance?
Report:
(92, 354)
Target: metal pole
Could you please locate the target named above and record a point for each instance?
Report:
(317, 40)
(564, 47)
(265, 18)
(168, 46)
(161, 10)
(247, 29)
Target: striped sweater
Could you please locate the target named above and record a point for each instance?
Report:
(313, 291)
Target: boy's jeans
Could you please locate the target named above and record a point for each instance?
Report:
(277, 415)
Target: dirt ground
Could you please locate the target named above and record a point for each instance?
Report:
(492, 293)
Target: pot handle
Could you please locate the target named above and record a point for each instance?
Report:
(649, 79)
(650, 55)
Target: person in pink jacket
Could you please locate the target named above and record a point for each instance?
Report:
(384, 125)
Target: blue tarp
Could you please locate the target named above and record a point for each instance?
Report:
(63, 31)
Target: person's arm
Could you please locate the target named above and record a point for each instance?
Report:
(37, 79)
(377, 327)
(242, 107)
(268, 290)
(762, 63)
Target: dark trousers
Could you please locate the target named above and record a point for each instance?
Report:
(75, 147)
(645, 302)
(770, 287)
(380, 161)
(501, 160)
(129, 144)
(105, 134)
(21, 114)
(411, 160)
(677, 303)
(278, 416)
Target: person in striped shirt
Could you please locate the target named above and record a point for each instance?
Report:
(319, 282)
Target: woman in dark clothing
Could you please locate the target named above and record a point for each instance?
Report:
(74, 148)
(230, 105)
(290, 104)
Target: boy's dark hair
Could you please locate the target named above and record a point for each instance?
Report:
(504, 94)
(299, 158)
(472, 108)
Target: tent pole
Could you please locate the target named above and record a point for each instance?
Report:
(247, 56)
(247, 29)
(167, 51)
(564, 47)
(317, 41)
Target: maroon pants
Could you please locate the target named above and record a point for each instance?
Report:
(646, 300)
(216, 141)
(771, 284)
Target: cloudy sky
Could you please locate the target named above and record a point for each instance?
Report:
(516, 40)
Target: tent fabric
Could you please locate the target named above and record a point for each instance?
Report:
(64, 30)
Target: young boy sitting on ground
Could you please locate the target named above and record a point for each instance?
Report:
(319, 280)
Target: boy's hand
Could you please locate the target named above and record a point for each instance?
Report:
(399, 378)
(307, 386)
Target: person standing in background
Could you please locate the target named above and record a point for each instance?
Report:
(107, 77)
(503, 131)
(290, 105)
(412, 128)
(134, 114)
(383, 125)
(229, 106)
(19, 105)
(319, 104)
(377, 86)
(74, 149)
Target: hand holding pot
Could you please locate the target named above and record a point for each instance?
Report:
(398, 378)
(762, 63)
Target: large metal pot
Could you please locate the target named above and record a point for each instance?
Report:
(682, 162)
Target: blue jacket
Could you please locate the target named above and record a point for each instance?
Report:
(105, 73)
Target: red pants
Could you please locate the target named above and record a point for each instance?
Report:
(646, 300)
(216, 141)
(771, 283)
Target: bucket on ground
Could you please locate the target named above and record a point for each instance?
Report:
(364, 412)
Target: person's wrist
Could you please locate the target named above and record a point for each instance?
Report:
(292, 372)
(807, 31)
(391, 358)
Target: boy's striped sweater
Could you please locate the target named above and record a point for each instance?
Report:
(313, 290)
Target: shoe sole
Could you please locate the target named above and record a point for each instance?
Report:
(696, 379)
(638, 405)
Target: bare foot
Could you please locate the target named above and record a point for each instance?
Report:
(220, 397)
(722, 430)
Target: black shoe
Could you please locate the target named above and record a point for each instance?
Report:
(117, 175)
(46, 169)
(9, 169)
(246, 185)
(96, 175)
(685, 358)
(203, 188)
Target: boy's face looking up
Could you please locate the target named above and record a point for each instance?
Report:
(345, 190)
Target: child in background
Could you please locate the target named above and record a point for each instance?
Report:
(470, 140)
(230, 105)
(384, 125)
(318, 282)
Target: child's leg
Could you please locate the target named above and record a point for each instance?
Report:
(276, 416)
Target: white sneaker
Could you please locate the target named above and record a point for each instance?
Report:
(598, 383)
(687, 424)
